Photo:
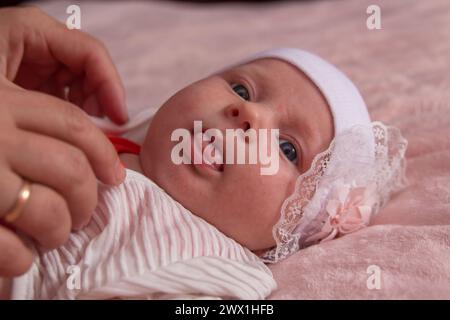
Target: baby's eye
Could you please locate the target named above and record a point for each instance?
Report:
(289, 151)
(241, 91)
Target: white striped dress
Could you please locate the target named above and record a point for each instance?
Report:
(141, 243)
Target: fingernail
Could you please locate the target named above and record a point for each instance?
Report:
(120, 171)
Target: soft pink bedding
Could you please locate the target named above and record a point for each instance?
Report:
(403, 72)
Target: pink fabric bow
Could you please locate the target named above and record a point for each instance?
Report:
(348, 210)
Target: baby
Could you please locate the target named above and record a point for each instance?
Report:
(171, 220)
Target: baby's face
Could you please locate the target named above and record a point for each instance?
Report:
(237, 199)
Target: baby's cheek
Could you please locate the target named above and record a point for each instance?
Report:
(277, 191)
(267, 199)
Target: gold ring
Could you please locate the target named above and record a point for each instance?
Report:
(22, 198)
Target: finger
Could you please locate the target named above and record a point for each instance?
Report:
(15, 257)
(81, 53)
(60, 166)
(50, 116)
(90, 57)
(45, 217)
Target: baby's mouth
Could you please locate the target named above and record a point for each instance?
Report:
(198, 153)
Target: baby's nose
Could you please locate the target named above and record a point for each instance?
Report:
(244, 115)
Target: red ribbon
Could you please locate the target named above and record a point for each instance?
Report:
(123, 145)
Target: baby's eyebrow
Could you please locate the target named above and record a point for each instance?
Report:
(248, 70)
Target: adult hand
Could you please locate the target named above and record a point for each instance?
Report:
(46, 140)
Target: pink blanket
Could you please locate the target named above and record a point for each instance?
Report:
(403, 73)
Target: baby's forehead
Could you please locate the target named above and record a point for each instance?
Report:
(269, 67)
